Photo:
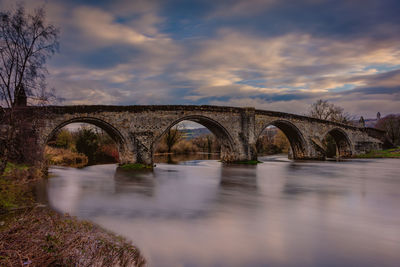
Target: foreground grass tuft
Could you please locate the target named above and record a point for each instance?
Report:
(387, 153)
(41, 237)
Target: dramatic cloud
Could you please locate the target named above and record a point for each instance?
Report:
(277, 55)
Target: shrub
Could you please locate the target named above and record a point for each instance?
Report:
(106, 154)
(87, 143)
(64, 139)
(184, 147)
(162, 148)
(391, 124)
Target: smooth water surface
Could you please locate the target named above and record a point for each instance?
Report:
(278, 213)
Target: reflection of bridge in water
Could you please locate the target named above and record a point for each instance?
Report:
(138, 129)
(106, 190)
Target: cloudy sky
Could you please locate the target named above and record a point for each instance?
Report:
(270, 54)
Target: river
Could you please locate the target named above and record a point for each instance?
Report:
(278, 213)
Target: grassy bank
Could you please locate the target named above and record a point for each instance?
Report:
(387, 153)
(32, 234)
(136, 166)
(16, 193)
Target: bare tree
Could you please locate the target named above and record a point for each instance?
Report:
(391, 124)
(26, 42)
(266, 139)
(322, 109)
(172, 137)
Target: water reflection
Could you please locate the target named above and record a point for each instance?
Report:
(183, 158)
(278, 213)
(139, 182)
(237, 187)
(239, 177)
(313, 177)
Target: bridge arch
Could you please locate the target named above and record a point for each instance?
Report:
(342, 140)
(113, 132)
(294, 136)
(221, 133)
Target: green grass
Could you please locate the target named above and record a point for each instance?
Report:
(10, 195)
(387, 153)
(13, 193)
(11, 167)
(136, 166)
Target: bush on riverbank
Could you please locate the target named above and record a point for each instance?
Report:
(205, 143)
(65, 157)
(86, 146)
(272, 141)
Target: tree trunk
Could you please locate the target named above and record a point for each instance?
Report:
(3, 161)
(4, 144)
(20, 98)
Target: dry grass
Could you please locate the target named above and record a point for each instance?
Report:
(182, 147)
(41, 237)
(65, 157)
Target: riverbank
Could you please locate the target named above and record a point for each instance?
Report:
(32, 234)
(387, 153)
(65, 157)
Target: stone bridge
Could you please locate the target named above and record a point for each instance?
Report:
(138, 129)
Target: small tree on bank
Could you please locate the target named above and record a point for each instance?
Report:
(322, 109)
(64, 139)
(26, 42)
(87, 142)
(172, 137)
(391, 124)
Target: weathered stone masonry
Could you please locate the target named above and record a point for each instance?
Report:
(138, 129)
